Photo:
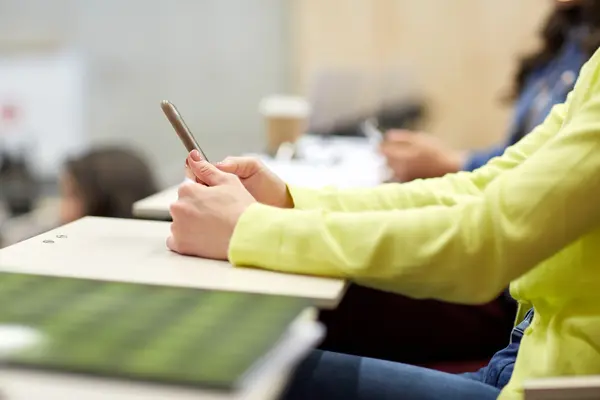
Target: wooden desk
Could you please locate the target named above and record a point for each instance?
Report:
(325, 162)
(135, 251)
(31, 385)
(563, 388)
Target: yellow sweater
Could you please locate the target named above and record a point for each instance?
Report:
(530, 217)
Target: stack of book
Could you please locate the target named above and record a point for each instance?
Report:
(145, 340)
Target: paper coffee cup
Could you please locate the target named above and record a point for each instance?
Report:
(285, 120)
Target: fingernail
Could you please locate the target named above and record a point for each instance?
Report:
(195, 155)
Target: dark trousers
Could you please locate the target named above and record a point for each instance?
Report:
(382, 325)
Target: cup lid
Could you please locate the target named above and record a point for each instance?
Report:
(284, 106)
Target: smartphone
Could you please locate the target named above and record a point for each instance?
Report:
(182, 130)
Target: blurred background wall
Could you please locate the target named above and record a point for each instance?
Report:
(216, 58)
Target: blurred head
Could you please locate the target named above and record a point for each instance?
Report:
(567, 17)
(105, 183)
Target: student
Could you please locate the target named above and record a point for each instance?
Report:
(104, 182)
(527, 218)
(543, 79)
(361, 324)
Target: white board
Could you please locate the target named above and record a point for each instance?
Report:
(42, 107)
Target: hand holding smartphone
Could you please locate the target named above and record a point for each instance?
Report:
(182, 130)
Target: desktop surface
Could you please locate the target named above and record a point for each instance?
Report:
(135, 251)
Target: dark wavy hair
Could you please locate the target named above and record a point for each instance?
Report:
(110, 180)
(582, 13)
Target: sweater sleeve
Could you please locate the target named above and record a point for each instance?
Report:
(464, 252)
(478, 159)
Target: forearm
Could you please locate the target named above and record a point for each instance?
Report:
(466, 252)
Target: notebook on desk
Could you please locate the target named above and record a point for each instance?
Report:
(180, 336)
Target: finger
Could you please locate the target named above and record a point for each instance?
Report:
(204, 171)
(172, 244)
(399, 136)
(243, 167)
(389, 146)
(399, 168)
(395, 151)
(188, 173)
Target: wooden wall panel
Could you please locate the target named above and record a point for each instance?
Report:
(463, 52)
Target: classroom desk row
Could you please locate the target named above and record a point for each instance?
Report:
(135, 251)
(124, 250)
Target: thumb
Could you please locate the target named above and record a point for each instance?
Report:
(171, 244)
(243, 167)
(204, 171)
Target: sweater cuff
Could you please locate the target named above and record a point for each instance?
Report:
(257, 230)
(304, 198)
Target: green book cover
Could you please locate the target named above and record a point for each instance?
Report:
(143, 332)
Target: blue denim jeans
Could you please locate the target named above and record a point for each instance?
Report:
(499, 370)
(331, 376)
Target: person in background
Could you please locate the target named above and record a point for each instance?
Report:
(362, 324)
(569, 37)
(104, 182)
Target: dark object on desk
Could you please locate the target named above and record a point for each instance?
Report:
(451, 337)
(19, 186)
(171, 335)
(409, 117)
(399, 116)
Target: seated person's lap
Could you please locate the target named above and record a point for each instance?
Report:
(377, 324)
(328, 375)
